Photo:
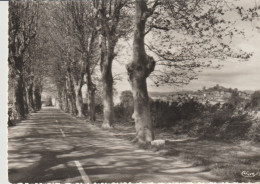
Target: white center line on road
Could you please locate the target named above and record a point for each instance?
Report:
(62, 133)
(83, 174)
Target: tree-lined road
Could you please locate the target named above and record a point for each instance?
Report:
(52, 146)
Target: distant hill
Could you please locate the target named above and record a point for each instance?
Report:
(219, 88)
(249, 91)
(214, 88)
(156, 94)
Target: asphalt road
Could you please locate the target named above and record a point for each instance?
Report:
(52, 146)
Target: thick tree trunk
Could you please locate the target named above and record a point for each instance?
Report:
(59, 99)
(91, 104)
(138, 70)
(77, 85)
(30, 98)
(71, 105)
(142, 116)
(19, 88)
(79, 100)
(18, 97)
(107, 81)
(26, 99)
(91, 95)
(37, 97)
(71, 97)
(65, 103)
(108, 102)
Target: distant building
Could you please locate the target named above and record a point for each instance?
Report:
(212, 95)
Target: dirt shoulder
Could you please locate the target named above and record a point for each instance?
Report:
(230, 161)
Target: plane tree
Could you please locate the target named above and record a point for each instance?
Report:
(84, 20)
(23, 25)
(114, 22)
(186, 36)
(66, 55)
(34, 74)
(75, 52)
(84, 33)
(63, 56)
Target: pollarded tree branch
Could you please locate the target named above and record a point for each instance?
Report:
(157, 27)
(150, 11)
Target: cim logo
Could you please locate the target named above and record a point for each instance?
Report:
(249, 174)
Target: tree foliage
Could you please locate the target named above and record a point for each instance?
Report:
(23, 29)
(254, 103)
(188, 36)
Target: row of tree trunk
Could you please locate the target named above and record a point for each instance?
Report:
(71, 100)
(27, 89)
(106, 31)
(138, 71)
(27, 95)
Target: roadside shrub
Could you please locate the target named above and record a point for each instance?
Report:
(254, 103)
(188, 116)
(12, 116)
(190, 109)
(209, 121)
(124, 110)
(254, 131)
(164, 114)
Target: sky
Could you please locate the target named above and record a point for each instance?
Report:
(241, 75)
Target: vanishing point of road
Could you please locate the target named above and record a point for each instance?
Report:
(52, 146)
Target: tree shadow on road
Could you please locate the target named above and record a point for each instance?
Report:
(39, 153)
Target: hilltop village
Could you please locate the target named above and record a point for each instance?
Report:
(213, 95)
